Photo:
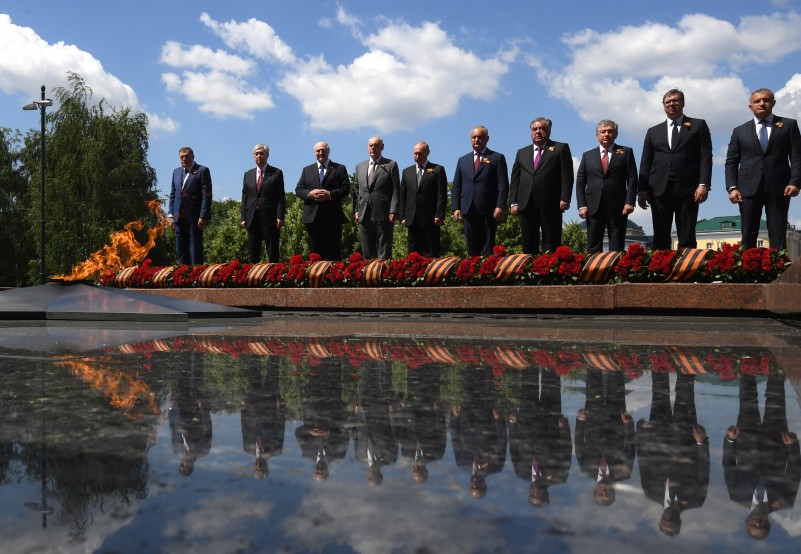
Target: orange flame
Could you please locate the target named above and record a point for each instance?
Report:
(124, 250)
(123, 391)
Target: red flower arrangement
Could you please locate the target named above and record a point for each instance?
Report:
(731, 264)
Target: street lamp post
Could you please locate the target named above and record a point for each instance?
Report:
(41, 105)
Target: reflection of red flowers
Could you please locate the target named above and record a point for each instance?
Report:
(722, 365)
(660, 363)
(466, 354)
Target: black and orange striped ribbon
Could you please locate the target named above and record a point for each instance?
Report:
(124, 275)
(316, 272)
(160, 278)
(600, 361)
(259, 348)
(599, 266)
(689, 364)
(510, 357)
(437, 270)
(438, 353)
(206, 277)
(510, 266)
(257, 274)
(317, 349)
(372, 348)
(373, 272)
(688, 264)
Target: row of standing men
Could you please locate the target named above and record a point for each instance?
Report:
(762, 172)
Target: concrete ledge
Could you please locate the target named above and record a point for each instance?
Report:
(627, 297)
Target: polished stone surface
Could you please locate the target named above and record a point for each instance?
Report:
(82, 302)
(399, 433)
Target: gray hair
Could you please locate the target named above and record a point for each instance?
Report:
(262, 147)
(605, 123)
(547, 121)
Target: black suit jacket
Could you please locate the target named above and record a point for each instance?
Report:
(270, 199)
(336, 181)
(550, 183)
(618, 186)
(690, 162)
(421, 204)
(779, 166)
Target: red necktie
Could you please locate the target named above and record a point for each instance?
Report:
(258, 180)
(605, 161)
(475, 163)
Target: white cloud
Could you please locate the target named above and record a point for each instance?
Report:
(255, 37)
(27, 61)
(396, 84)
(348, 20)
(218, 93)
(174, 54)
(623, 73)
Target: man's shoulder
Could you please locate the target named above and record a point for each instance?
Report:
(524, 149)
(780, 121)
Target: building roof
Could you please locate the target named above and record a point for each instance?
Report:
(726, 223)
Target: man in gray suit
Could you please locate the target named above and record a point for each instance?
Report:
(377, 201)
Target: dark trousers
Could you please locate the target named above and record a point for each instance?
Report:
(479, 233)
(325, 239)
(776, 210)
(188, 242)
(424, 239)
(532, 219)
(680, 203)
(606, 219)
(263, 230)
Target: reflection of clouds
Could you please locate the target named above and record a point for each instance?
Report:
(789, 521)
(218, 523)
(388, 517)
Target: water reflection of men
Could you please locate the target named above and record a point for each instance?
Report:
(539, 435)
(478, 431)
(673, 451)
(605, 434)
(420, 423)
(263, 415)
(322, 437)
(189, 414)
(375, 436)
(761, 462)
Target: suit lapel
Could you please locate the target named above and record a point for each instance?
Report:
(773, 131)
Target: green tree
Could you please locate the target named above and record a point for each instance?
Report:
(14, 202)
(223, 239)
(574, 236)
(98, 176)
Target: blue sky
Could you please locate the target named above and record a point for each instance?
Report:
(223, 76)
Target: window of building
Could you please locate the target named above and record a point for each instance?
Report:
(710, 246)
(727, 225)
(760, 243)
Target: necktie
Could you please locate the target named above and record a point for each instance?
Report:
(674, 135)
(371, 176)
(186, 176)
(258, 180)
(419, 174)
(476, 162)
(537, 158)
(763, 135)
(322, 173)
(605, 161)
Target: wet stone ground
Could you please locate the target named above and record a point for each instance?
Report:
(516, 435)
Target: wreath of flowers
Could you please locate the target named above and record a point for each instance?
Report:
(730, 264)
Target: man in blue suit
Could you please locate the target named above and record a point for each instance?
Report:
(189, 209)
(766, 174)
(675, 172)
(478, 196)
(606, 189)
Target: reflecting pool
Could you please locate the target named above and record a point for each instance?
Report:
(400, 433)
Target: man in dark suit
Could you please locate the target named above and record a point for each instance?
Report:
(189, 208)
(605, 439)
(322, 187)
(606, 189)
(542, 183)
(478, 196)
(263, 205)
(539, 435)
(377, 201)
(673, 451)
(766, 175)
(675, 172)
(423, 198)
(263, 414)
(761, 457)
